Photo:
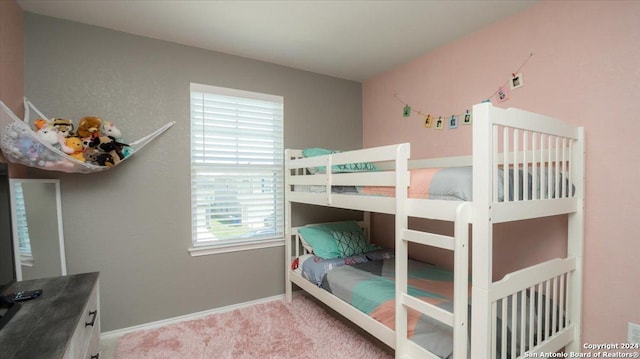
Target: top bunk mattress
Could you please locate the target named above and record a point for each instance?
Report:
(456, 184)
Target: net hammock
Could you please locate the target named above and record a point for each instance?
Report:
(21, 144)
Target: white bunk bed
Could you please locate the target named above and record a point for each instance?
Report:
(546, 148)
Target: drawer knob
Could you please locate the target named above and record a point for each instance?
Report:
(93, 314)
(95, 356)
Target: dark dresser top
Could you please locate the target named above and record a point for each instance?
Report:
(43, 327)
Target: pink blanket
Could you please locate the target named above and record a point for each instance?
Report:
(419, 185)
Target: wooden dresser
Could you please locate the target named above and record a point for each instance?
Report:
(62, 323)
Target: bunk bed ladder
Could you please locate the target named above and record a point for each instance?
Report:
(458, 320)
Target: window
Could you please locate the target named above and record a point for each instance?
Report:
(237, 159)
(24, 242)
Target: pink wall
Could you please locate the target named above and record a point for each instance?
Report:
(586, 70)
(12, 65)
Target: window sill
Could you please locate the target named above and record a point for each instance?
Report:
(26, 260)
(234, 247)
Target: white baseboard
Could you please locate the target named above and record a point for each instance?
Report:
(152, 325)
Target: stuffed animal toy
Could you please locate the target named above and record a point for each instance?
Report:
(62, 144)
(29, 150)
(40, 123)
(64, 126)
(75, 143)
(109, 129)
(96, 157)
(48, 134)
(86, 142)
(89, 127)
(22, 149)
(108, 145)
(105, 159)
(41, 155)
(16, 133)
(23, 145)
(90, 155)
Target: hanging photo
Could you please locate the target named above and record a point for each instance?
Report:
(516, 81)
(503, 94)
(406, 112)
(440, 124)
(466, 118)
(427, 121)
(453, 122)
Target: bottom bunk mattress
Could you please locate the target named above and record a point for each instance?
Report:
(367, 282)
(370, 287)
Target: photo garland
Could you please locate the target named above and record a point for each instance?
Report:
(503, 93)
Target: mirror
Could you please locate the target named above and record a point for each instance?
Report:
(36, 215)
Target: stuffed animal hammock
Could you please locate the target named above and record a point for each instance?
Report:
(21, 144)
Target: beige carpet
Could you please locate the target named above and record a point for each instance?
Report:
(276, 329)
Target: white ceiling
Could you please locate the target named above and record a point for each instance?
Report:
(354, 40)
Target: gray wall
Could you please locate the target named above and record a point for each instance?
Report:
(132, 223)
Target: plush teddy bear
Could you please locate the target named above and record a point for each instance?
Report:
(89, 127)
(75, 143)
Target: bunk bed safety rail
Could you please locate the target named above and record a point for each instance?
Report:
(322, 173)
(531, 163)
(538, 146)
(295, 159)
(544, 158)
(530, 310)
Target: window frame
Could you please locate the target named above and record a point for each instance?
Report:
(235, 244)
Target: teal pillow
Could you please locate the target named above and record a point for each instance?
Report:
(317, 151)
(342, 168)
(321, 239)
(351, 243)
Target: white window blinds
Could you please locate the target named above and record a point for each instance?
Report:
(237, 189)
(21, 219)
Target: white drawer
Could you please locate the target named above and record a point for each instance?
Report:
(93, 351)
(87, 331)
